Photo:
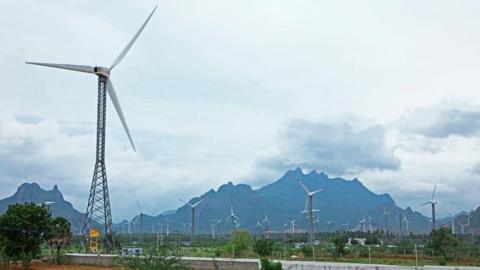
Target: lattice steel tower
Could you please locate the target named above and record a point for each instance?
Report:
(98, 215)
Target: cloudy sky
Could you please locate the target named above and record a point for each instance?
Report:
(217, 91)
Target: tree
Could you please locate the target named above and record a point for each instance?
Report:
(263, 247)
(3, 254)
(442, 240)
(339, 241)
(372, 240)
(61, 236)
(24, 228)
(241, 241)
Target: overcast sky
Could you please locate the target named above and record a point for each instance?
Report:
(217, 91)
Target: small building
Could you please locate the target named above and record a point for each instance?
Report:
(357, 241)
(132, 251)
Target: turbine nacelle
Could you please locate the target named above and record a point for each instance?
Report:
(101, 71)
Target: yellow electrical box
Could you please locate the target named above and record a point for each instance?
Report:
(94, 236)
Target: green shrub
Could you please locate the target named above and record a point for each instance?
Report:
(267, 264)
(152, 263)
(307, 251)
(263, 247)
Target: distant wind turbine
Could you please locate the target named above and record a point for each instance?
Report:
(432, 202)
(309, 210)
(193, 213)
(233, 219)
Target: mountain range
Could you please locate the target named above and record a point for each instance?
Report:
(34, 193)
(341, 205)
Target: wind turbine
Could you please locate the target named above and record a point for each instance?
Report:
(98, 207)
(400, 218)
(141, 222)
(130, 229)
(309, 210)
(432, 202)
(213, 223)
(346, 225)
(363, 222)
(167, 221)
(265, 222)
(293, 223)
(193, 213)
(385, 215)
(406, 221)
(452, 222)
(233, 218)
(329, 223)
(369, 219)
(462, 227)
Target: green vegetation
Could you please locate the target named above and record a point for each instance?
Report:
(152, 263)
(24, 228)
(28, 231)
(241, 242)
(339, 241)
(263, 247)
(444, 242)
(267, 264)
(385, 248)
(61, 236)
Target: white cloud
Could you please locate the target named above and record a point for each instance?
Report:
(443, 120)
(335, 148)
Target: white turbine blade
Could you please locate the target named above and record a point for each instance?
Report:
(185, 202)
(80, 68)
(303, 186)
(433, 194)
(116, 104)
(306, 204)
(129, 45)
(316, 191)
(139, 207)
(425, 203)
(197, 203)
